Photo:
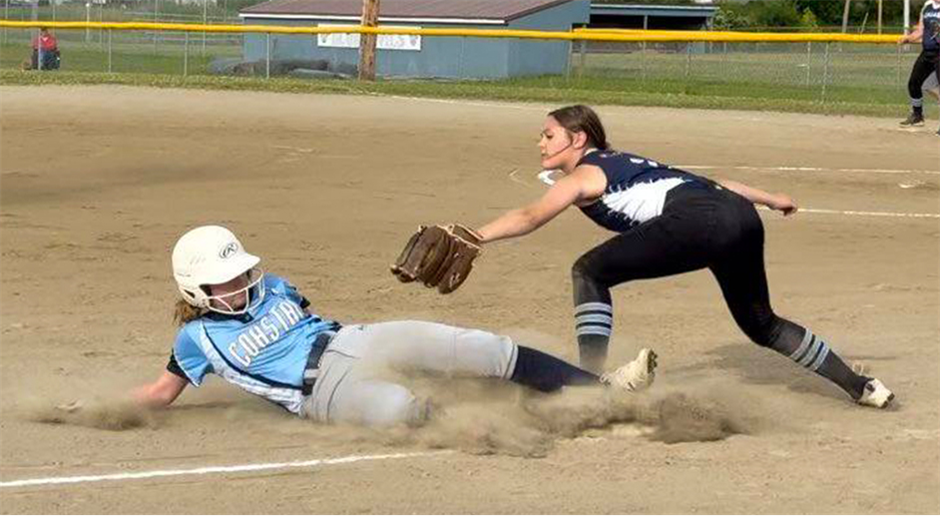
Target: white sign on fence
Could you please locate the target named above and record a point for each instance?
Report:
(384, 42)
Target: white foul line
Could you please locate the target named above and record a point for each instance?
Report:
(864, 213)
(545, 176)
(209, 470)
(463, 102)
(813, 169)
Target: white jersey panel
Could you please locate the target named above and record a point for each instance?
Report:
(641, 201)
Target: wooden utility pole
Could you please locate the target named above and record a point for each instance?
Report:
(370, 18)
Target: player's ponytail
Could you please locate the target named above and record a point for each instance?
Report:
(582, 119)
(184, 312)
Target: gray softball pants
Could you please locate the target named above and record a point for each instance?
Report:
(349, 387)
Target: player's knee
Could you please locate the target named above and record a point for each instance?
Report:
(582, 272)
(759, 336)
(398, 405)
(763, 329)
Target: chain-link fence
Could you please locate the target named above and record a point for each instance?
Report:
(827, 72)
(143, 51)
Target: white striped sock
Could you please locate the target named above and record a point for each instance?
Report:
(594, 318)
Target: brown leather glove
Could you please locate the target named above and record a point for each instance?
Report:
(438, 256)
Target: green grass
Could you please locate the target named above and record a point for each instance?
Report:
(858, 83)
(855, 77)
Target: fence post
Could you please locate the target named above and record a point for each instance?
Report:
(570, 58)
(643, 52)
(109, 51)
(646, 26)
(205, 21)
(724, 57)
(688, 64)
(582, 48)
(825, 80)
(898, 80)
(267, 53)
(185, 53)
(156, 4)
(809, 61)
(460, 58)
(100, 19)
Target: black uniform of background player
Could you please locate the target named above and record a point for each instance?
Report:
(927, 62)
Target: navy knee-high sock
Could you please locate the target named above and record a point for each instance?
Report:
(546, 373)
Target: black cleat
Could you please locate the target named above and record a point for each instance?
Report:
(913, 120)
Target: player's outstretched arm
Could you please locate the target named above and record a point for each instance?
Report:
(779, 201)
(160, 393)
(585, 182)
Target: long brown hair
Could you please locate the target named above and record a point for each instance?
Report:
(582, 119)
(184, 312)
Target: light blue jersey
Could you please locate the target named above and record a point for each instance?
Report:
(263, 351)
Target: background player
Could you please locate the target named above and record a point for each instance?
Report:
(256, 331)
(45, 54)
(668, 222)
(932, 86)
(928, 32)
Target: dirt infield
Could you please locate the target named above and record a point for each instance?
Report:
(98, 182)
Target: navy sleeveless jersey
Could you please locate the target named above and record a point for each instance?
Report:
(636, 188)
(930, 14)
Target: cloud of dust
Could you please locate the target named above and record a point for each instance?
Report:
(481, 417)
(100, 414)
(486, 417)
(491, 417)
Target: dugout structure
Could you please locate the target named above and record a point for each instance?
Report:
(416, 56)
(652, 17)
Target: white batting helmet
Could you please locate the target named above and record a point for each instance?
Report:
(212, 255)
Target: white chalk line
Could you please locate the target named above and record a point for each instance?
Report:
(813, 169)
(864, 213)
(514, 179)
(545, 176)
(465, 102)
(898, 171)
(210, 470)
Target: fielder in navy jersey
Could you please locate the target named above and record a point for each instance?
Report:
(668, 221)
(927, 63)
(256, 331)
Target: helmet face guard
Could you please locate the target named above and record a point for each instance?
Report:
(253, 292)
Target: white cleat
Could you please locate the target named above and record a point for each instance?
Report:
(636, 375)
(875, 394)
